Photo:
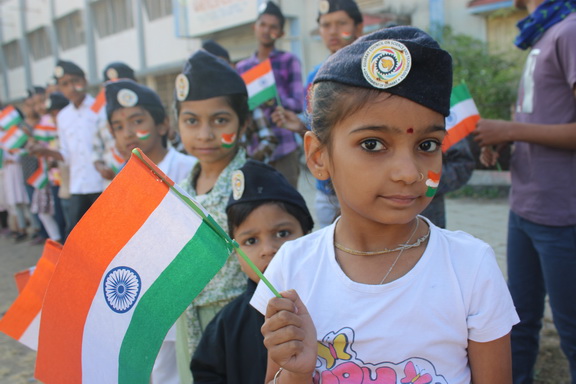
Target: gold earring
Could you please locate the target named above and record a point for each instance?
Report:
(421, 176)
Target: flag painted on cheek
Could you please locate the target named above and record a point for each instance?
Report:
(432, 182)
(124, 277)
(228, 140)
(142, 135)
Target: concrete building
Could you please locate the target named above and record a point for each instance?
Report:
(156, 36)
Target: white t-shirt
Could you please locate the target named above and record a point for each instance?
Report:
(177, 165)
(76, 131)
(416, 325)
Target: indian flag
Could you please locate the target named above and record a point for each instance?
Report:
(21, 278)
(116, 161)
(260, 83)
(124, 277)
(13, 138)
(99, 102)
(39, 178)
(463, 116)
(22, 320)
(9, 117)
(45, 132)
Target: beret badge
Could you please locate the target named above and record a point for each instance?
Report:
(127, 98)
(324, 7)
(238, 184)
(182, 87)
(386, 63)
(112, 74)
(58, 72)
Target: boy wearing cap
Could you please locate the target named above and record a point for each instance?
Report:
(138, 120)
(268, 28)
(264, 211)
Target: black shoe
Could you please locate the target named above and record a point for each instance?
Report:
(20, 237)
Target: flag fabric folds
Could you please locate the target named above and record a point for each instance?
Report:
(463, 116)
(22, 320)
(260, 83)
(13, 138)
(45, 132)
(21, 278)
(130, 267)
(39, 178)
(9, 117)
(116, 161)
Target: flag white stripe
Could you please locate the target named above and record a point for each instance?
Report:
(104, 329)
(260, 84)
(30, 336)
(461, 111)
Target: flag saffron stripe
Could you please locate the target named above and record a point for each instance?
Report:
(99, 102)
(257, 71)
(459, 131)
(199, 252)
(60, 342)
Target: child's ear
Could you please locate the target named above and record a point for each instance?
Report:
(316, 156)
(163, 127)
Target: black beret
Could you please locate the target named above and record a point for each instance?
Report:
(257, 181)
(216, 49)
(206, 76)
(270, 8)
(348, 6)
(64, 67)
(126, 93)
(55, 102)
(118, 70)
(36, 90)
(403, 61)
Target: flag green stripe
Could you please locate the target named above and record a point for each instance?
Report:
(15, 120)
(262, 96)
(19, 142)
(165, 300)
(459, 93)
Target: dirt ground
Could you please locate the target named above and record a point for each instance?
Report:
(17, 361)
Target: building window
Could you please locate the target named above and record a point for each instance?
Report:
(112, 16)
(157, 9)
(70, 31)
(39, 43)
(13, 54)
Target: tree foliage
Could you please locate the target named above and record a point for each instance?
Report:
(491, 78)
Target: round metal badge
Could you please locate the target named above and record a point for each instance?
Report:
(127, 98)
(182, 87)
(238, 184)
(324, 7)
(58, 72)
(48, 103)
(112, 74)
(386, 63)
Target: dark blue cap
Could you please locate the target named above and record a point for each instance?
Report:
(403, 61)
(348, 6)
(56, 101)
(257, 181)
(206, 76)
(270, 8)
(216, 49)
(36, 90)
(126, 93)
(64, 67)
(118, 70)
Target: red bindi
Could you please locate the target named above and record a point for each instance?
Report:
(410, 130)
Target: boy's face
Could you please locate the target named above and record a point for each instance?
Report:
(73, 87)
(134, 127)
(267, 30)
(338, 30)
(261, 235)
(40, 103)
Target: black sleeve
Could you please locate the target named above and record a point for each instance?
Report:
(208, 364)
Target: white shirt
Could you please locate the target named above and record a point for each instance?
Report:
(419, 324)
(76, 130)
(177, 165)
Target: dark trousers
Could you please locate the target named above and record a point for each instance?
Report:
(541, 260)
(79, 204)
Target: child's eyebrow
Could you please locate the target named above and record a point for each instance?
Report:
(253, 231)
(388, 129)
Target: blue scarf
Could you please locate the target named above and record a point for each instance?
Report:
(546, 15)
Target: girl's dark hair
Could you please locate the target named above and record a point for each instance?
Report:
(238, 102)
(332, 102)
(237, 213)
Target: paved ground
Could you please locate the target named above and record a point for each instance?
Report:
(485, 219)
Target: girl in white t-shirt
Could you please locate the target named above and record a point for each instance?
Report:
(383, 295)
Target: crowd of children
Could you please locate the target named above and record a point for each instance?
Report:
(380, 294)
